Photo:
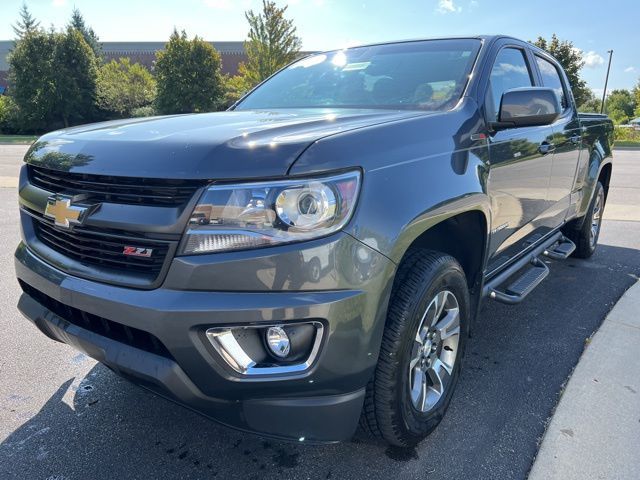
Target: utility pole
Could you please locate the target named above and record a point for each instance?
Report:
(606, 81)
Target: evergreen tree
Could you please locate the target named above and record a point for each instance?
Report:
(26, 24)
(75, 76)
(272, 43)
(77, 22)
(31, 83)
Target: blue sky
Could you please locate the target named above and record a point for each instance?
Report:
(594, 27)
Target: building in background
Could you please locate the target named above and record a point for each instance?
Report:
(232, 54)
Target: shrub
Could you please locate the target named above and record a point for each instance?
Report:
(626, 134)
(8, 115)
(124, 87)
(146, 111)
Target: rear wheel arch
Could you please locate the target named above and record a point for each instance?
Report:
(604, 177)
(599, 171)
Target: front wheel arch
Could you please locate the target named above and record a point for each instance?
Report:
(464, 236)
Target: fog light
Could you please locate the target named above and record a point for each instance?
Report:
(278, 341)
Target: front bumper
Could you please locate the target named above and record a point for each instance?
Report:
(322, 404)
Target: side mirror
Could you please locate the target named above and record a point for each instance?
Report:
(528, 107)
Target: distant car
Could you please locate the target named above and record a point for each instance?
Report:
(315, 258)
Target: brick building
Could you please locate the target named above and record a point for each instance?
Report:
(232, 53)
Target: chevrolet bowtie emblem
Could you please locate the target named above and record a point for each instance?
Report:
(64, 214)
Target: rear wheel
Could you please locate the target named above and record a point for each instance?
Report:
(421, 350)
(586, 238)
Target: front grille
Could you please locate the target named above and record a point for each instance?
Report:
(112, 189)
(100, 248)
(107, 328)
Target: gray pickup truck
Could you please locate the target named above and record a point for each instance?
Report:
(314, 257)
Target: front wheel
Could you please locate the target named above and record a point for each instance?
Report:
(421, 352)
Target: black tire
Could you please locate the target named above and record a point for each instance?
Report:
(586, 242)
(389, 412)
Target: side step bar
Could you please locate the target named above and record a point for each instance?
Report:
(561, 250)
(534, 271)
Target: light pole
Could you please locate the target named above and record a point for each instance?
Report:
(606, 81)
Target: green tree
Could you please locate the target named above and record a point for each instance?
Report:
(272, 44)
(5, 113)
(620, 106)
(124, 87)
(592, 104)
(31, 80)
(188, 76)
(77, 22)
(26, 24)
(636, 94)
(571, 60)
(235, 87)
(75, 78)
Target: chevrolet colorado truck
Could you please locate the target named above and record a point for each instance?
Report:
(313, 258)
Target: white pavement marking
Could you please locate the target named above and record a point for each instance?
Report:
(595, 431)
(628, 213)
(8, 182)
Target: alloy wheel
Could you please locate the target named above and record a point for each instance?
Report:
(434, 351)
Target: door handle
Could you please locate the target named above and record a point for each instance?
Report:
(575, 139)
(546, 147)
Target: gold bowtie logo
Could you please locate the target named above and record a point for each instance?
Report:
(64, 214)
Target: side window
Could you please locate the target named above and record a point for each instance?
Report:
(509, 71)
(551, 79)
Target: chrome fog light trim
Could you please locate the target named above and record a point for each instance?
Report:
(227, 346)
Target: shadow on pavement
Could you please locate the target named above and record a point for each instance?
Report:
(516, 363)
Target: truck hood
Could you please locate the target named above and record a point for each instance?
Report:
(221, 145)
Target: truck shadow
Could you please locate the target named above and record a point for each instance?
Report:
(101, 426)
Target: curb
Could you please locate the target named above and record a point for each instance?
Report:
(595, 429)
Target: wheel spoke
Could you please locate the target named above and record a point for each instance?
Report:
(428, 319)
(423, 403)
(438, 371)
(442, 366)
(450, 324)
(437, 385)
(414, 361)
(418, 381)
(440, 303)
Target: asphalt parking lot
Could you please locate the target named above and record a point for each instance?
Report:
(62, 416)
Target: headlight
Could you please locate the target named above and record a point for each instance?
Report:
(242, 216)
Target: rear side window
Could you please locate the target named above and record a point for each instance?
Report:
(551, 79)
(510, 70)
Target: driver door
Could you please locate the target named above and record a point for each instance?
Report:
(520, 165)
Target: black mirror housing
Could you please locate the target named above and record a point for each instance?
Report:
(528, 107)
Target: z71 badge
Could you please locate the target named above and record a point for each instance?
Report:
(137, 251)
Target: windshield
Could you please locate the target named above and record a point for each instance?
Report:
(425, 75)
